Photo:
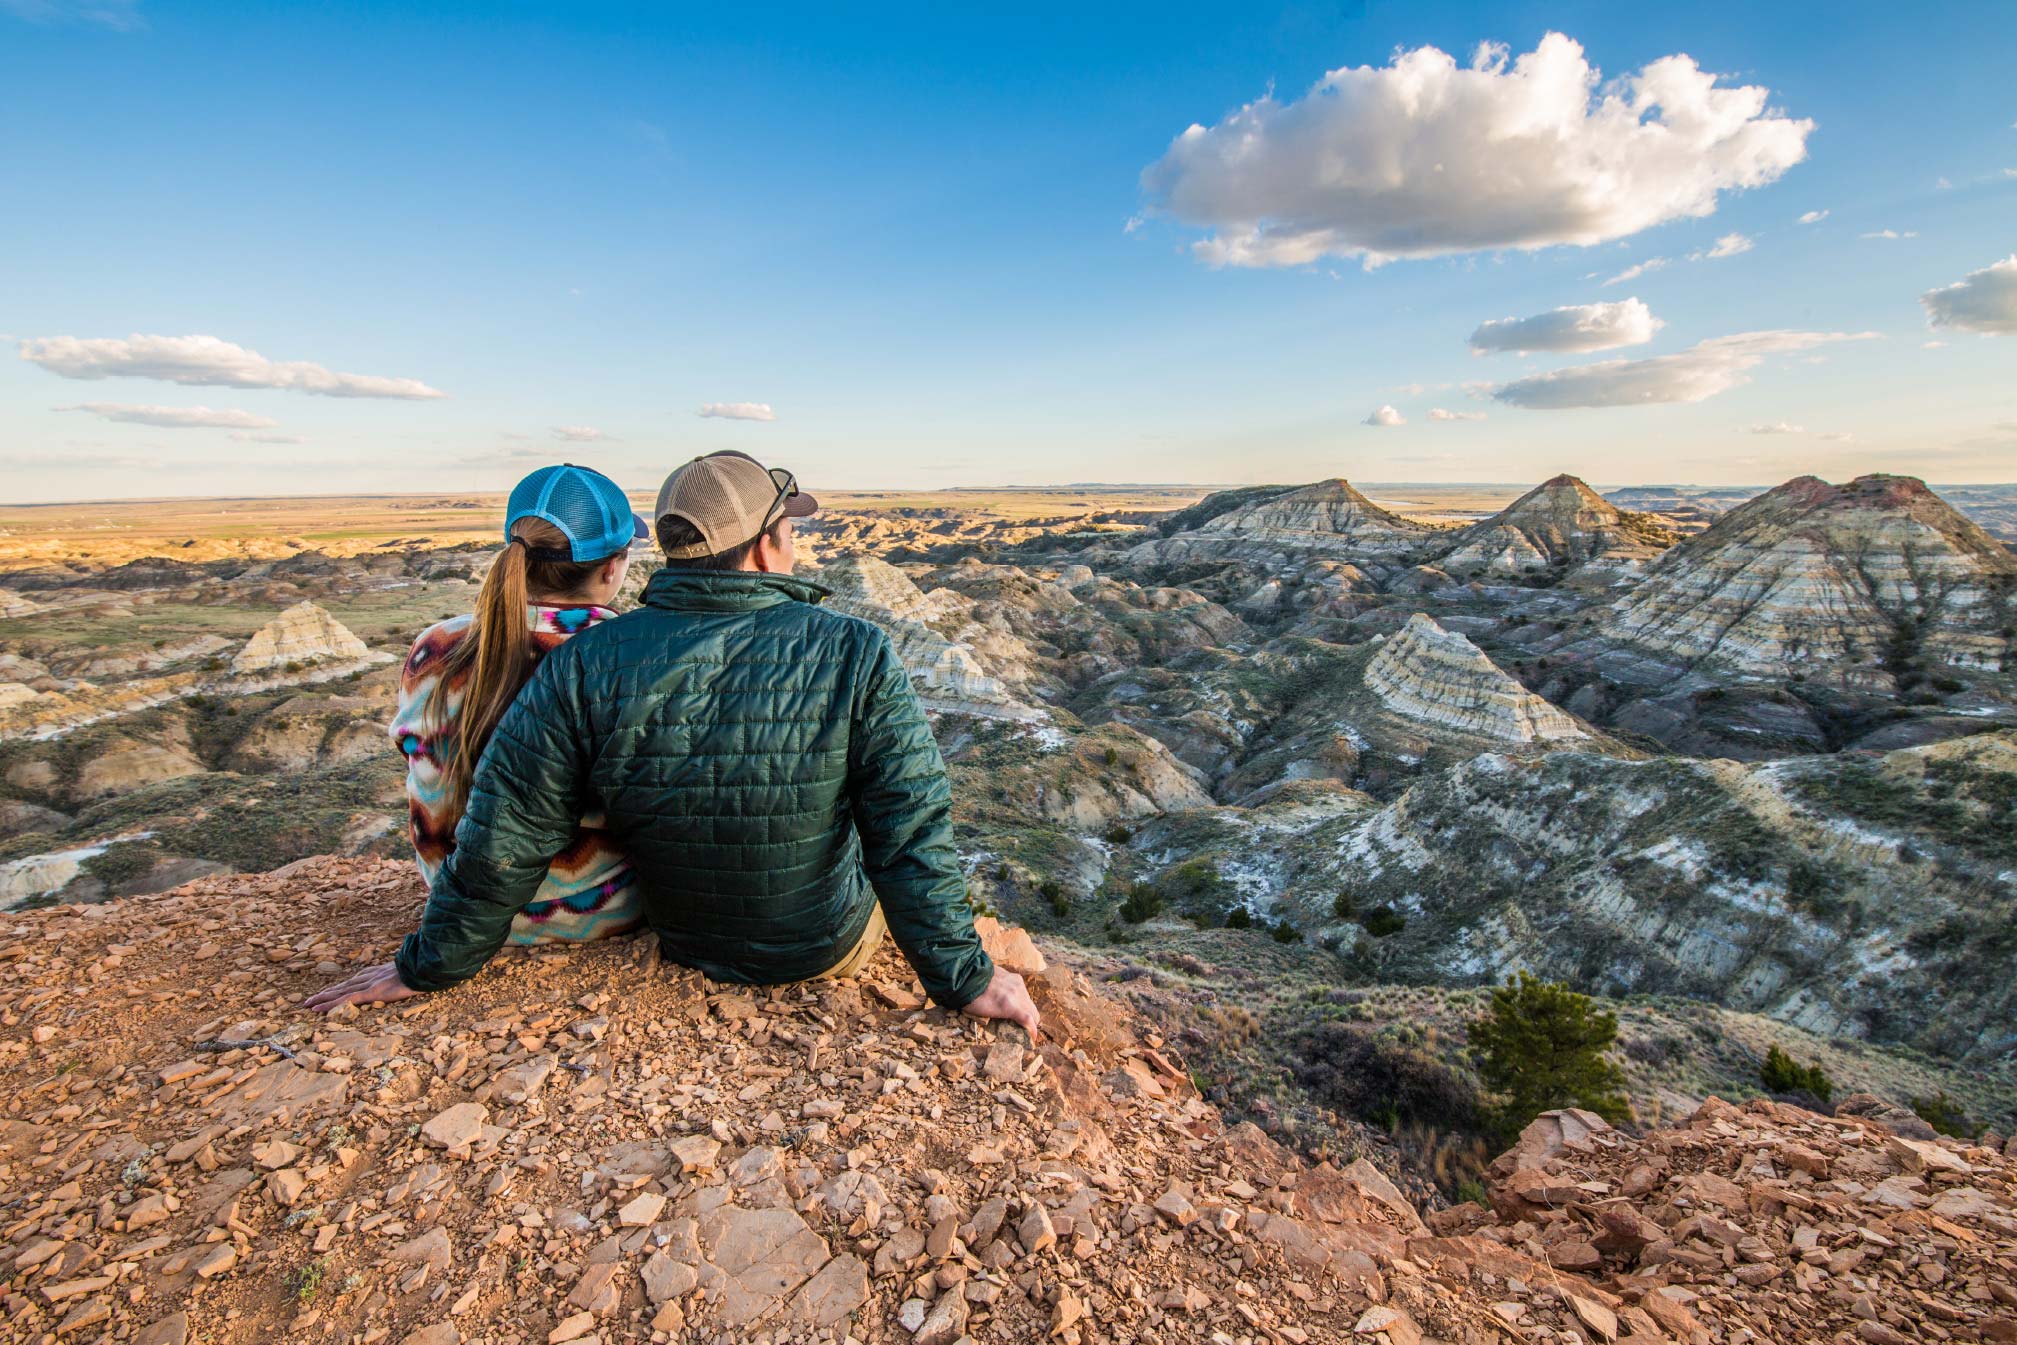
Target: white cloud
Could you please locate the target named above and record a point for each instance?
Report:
(1423, 158)
(174, 417)
(1892, 233)
(244, 438)
(1729, 245)
(1634, 272)
(578, 434)
(1692, 375)
(1580, 327)
(206, 361)
(1438, 413)
(1777, 427)
(1981, 301)
(1813, 217)
(1385, 418)
(737, 411)
(1932, 345)
(123, 15)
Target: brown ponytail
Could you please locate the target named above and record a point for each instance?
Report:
(499, 653)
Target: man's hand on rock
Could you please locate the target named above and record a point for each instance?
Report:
(1007, 997)
(373, 985)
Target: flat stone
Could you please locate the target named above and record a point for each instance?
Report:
(458, 1127)
(1036, 1232)
(216, 1261)
(667, 1277)
(1395, 1325)
(642, 1210)
(696, 1153)
(440, 1333)
(756, 1258)
(170, 1330)
(1602, 1322)
(597, 1290)
(431, 1249)
(946, 1322)
(833, 1295)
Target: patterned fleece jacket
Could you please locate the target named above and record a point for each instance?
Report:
(589, 891)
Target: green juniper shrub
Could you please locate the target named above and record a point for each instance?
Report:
(1782, 1075)
(1239, 917)
(1384, 920)
(1541, 1046)
(1142, 902)
(1284, 932)
(1945, 1115)
(1053, 891)
(1371, 1075)
(1343, 907)
(1118, 835)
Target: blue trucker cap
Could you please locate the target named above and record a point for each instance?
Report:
(584, 504)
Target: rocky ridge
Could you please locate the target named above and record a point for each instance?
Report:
(586, 1146)
(1326, 517)
(1560, 524)
(947, 672)
(1856, 583)
(304, 633)
(1439, 677)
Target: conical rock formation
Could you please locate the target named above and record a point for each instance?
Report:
(1438, 676)
(947, 672)
(304, 633)
(1851, 582)
(1328, 517)
(1558, 524)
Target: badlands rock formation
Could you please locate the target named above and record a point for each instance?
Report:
(947, 673)
(1851, 583)
(1327, 517)
(588, 1146)
(1559, 524)
(303, 634)
(1439, 677)
(1853, 898)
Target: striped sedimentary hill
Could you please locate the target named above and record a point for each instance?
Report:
(1439, 677)
(1330, 518)
(1559, 524)
(1852, 583)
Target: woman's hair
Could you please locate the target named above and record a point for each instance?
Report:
(499, 651)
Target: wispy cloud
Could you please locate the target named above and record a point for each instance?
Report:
(737, 411)
(579, 434)
(1578, 328)
(1729, 245)
(1385, 418)
(1891, 234)
(206, 361)
(173, 417)
(1438, 413)
(122, 15)
(1424, 158)
(1634, 272)
(1777, 427)
(1813, 217)
(1692, 375)
(1981, 301)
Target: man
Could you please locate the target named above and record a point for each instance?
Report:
(763, 762)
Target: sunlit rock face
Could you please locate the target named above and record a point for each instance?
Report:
(1853, 584)
(1439, 677)
(1560, 524)
(1329, 517)
(304, 633)
(944, 669)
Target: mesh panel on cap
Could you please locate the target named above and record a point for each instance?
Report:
(576, 509)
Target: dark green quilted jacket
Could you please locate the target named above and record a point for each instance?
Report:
(763, 762)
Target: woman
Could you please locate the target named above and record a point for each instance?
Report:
(568, 532)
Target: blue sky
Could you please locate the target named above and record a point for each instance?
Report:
(924, 241)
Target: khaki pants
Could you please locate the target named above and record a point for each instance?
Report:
(857, 957)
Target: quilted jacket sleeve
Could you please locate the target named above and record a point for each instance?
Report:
(523, 805)
(903, 813)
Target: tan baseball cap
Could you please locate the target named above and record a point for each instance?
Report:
(729, 498)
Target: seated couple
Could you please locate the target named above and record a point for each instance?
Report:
(747, 773)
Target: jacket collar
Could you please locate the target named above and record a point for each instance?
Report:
(682, 590)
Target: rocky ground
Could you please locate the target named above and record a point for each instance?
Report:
(588, 1146)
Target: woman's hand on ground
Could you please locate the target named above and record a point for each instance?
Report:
(1008, 998)
(373, 985)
